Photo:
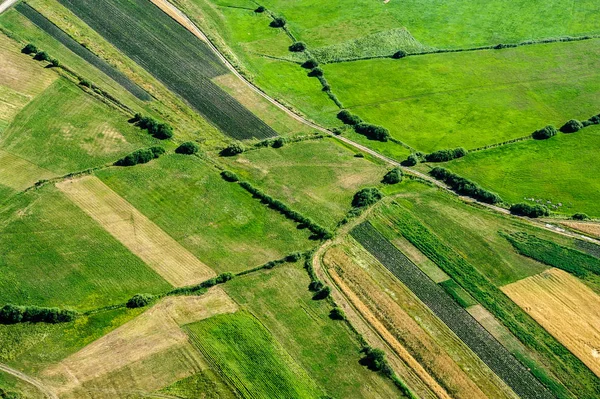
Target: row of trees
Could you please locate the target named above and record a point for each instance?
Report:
(143, 155)
(373, 132)
(40, 55)
(12, 314)
(161, 131)
(446, 155)
(211, 282)
(532, 211)
(464, 186)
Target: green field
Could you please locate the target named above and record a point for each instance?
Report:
(249, 359)
(315, 178)
(217, 221)
(55, 255)
(325, 348)
(433, 102)
(563, 170)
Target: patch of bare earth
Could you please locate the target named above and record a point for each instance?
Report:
(145, 354)
(134, 230)
(566, 308)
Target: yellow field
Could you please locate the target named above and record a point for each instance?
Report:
(134, 230)
(148, 353)
(590, 228)
(565, 307)
(18, 173)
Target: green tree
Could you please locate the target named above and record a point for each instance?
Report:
(187, 148)
(29, 49)
(366, 197)
(297, 47)
(394, 176)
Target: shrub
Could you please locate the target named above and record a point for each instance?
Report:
(85, 83)
(139, 300)
(278, 22)
(412, 160)
(359, 155)
(544, 133)
(464, 186)
(30, 49)
(297, 47)
(229, 176)
(187, 148)
(532, 211)
(349, 118)
(163, 131)
(260, 9)
(399, 54)
(316, 72)
(310, 64)
(595, 120)
(366, 197)
(55, 63)
(580, 216)
(12, 314)
(571, 126)
(393, 176)
(372, 132)
(293, 257)
(278, 142)
(42, 56)
(446, 155)
(315, 286)
(223, 278)
(323, 293)
(374, 359)
(144, 155)
(233, 149)
(337, 314)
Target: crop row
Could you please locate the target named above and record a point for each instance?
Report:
(182, 62)
(490, 351)
(54, 31)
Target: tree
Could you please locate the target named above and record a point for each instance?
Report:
(399, 54)
(42, 56)
(163, 131)
(278, 22)
(85, 83)
(260, 9)
(187, 148)
(278, 142)
(55, 63)
(233, 149)
(412, 160)
(316, 72)
(310, 64)
(571, 126)
(293, 257)
(229, 176)
(139, 300)
(374, 358)
(532, 211)
(366, 197)
(224, 277)
(297, 47)
(29, 49)
(580, 216)
(349, 118)
(323, 293)
(394, 176)
(337, 314)
(544, 133)
(11, 314)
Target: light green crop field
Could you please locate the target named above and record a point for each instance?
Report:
(564, 170)
(315, 178)
(217, 221)
(65, 130)
(325, 348)
(55, 255)
(472, 99)
(249, 358)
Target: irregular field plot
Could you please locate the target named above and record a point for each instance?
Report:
(316, 178)
(173, 55)
(53, 254)
(134, 230)
(140, 346)
(566, 308)
(564, 169)
(219, 222)
(18, 173)
(592, 229)
(248, 357)
(65, 130)
(472, 99)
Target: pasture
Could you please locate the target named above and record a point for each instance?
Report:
(565, 307)
(218, 222)
(316, 178)
(433, 102)
(563, 170)
(249, 359)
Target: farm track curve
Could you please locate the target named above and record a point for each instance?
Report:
(48, 393)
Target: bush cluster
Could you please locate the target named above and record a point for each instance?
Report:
(375, 360)
(366, 197)
(140, 300)
(260, 9)
(233, 149)
(211, 282)
(30, 49)
(323, 293)
(399, 54)
(337, 314)
(373, 132)
(187, 148)
(229, 176)
(275, 143)
(412, 160)
(310, 64)
(161, 131)
(348, 118)
(297, 47)
(580, 216)
(571, 126)
(394, 176)
(315, 72)
(532, 211)
(278, 22)
(446, 155)
(318, 231)
(464, 186)
(544, 133)
(143, 155)
(12, 314)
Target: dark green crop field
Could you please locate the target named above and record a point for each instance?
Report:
(174, 56)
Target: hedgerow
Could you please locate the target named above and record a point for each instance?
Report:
(229, 176)
(532, 211)
(198, 288)
(544, 133)
(13, 314)
(464, 186)
(161, 131)
(446, 155)
(372, 132)
(349, 118)
(144, 155)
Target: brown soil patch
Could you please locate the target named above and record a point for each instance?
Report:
(564, 306)
(134, 230)
(590, 228)
(142, 344)
(172, 12)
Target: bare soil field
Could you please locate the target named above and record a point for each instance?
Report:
(151, 350)
(134, 230)
(565, 307)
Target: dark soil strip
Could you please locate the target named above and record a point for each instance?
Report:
(490, 351)
(173, 55)
(54, 31)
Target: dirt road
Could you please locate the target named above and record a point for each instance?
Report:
(6, 5)
(30, 380)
